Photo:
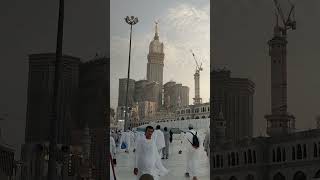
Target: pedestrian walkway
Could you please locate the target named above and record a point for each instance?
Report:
(176, 164)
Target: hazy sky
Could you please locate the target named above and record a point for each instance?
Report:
(240, 32)
(183, 25)
(31, 27)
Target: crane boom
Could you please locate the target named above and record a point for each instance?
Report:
(194, 57)
(280, 11)
(288, 23)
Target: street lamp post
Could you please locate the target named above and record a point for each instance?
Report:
(53, 141)
(131, 21)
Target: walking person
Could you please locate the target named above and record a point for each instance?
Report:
(192, 144)
(113, 150)
(159, 139)
(125, 141)
(147, 158)
(165, 150)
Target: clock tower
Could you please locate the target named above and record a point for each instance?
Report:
(156, 62)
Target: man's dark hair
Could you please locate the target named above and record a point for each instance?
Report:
(146, 177)
(165, 129)
(158, 127)
(190, 128)
(148, 127)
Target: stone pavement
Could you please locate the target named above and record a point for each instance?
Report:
(176, 164)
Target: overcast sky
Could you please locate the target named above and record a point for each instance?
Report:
(31, 27)
(183, 25)
(240, 32)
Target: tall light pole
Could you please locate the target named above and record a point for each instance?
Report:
(131, 21)
(53, 129)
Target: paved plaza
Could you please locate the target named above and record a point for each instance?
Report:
(176, 163)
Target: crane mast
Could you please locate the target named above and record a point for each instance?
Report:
(280, 122)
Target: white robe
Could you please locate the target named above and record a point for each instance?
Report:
(158, 137)
(147, 159)
(192, 154)
(113, 148)
(126, 138)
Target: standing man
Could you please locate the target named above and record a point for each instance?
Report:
(159, 139)
(147, 159)
(192, 144)
(165, 150)
(113, 149)
(171, 133)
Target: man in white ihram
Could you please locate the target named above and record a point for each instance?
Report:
(158, 137)
(192, 154)
(126, 138)
(113, 151)
(148, 160)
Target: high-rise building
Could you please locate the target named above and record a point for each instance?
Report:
(94, 101)
(123, 90)
(234, 98)
(139, 92)
(93, 84)
(82, 99)
(6, 159)
(152, 93)
(147, 109)
(156, 62)
(175, 95)
(184, 96)
(40, 93)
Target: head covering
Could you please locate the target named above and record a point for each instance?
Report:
(190, 126)
(146, 177)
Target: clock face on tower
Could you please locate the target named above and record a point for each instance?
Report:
(157, 48)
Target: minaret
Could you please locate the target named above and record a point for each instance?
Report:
(197, 99)
(156, 62)
(279, 122)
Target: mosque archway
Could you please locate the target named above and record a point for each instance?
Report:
(279, 176)
(299, 176)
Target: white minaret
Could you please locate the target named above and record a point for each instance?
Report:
(280, 122)
(197, 99)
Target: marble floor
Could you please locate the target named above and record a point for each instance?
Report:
(175, 163)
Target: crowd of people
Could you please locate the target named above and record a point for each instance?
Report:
(151, 147)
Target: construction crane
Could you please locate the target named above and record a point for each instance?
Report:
(198, 68)
(289, 21)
